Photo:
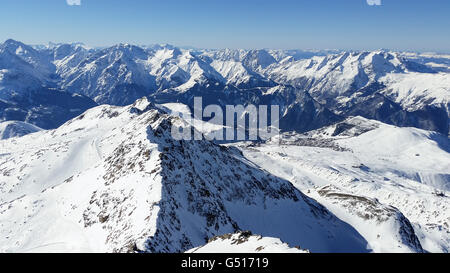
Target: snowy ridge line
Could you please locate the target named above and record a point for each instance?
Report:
(247, 242)
(149, 192)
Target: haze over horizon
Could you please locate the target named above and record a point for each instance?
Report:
(189, 47)
(414, 25)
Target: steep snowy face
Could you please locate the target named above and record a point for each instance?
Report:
(9, 129)
(241, 68)
(239, 75)
(415, 90)
(361, 165)
(255, 60)
(115, 75)
(245, 242)
(121, 74)
(384, 227)
(258, 59)
(67, 56)
(28, 55)
(27, 93)
(21, 68)
(113, 179)
(328, 77)
(398, 90)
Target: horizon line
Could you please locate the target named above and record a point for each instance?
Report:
(188, 47)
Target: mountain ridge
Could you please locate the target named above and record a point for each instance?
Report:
(137, 189)
(338, 81)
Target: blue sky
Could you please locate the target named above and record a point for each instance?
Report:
(421, 25)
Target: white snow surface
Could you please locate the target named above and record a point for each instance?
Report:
(406, 168)
(242, 243)
(9, 129)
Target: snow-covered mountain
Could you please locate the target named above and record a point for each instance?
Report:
(113, 179)
(383, 180)
(398, 90)
(245, 242)
(9, 129)
(28, 81)
(384, 227)
(332, 76)
(402, 89)
(119, 75)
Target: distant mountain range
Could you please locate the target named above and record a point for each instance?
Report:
(48, 85)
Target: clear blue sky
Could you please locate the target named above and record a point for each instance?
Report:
(422, 25)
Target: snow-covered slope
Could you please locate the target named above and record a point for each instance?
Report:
(9, 129)
(245, 242)
(113, 179)
(416, 90)
(238, 75)
(110, 75)
(120, 74)
(400, 91)
(21, 68)
(331, 77)
(384, 227)
(406, 168)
